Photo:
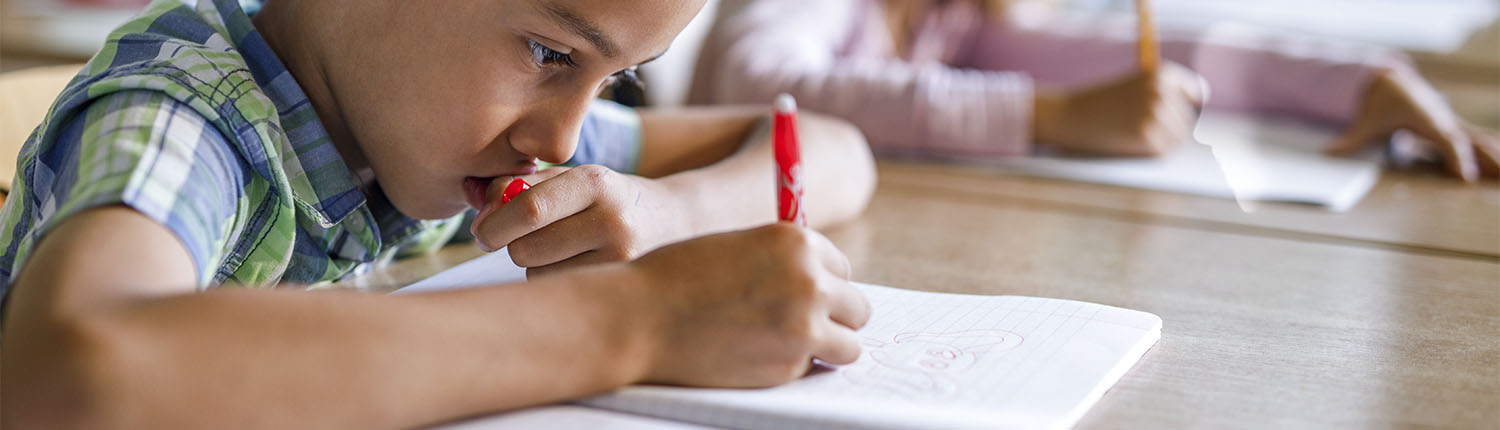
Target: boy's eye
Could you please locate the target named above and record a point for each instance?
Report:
(544, 56)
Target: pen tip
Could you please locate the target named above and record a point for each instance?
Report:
(785, 103)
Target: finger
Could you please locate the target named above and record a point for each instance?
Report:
(830, 256)
(847, 305)
(543, 175)
(1431, 118)
(1189, 84)
(1486, 151)
(497, 187)
(1157, 140)
(557, 241)
(1177, 117)
(588, 258)
(546, 202)
(1356, 137)
(836, 344)
(1457, 150)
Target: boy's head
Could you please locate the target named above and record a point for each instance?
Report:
(430, 93)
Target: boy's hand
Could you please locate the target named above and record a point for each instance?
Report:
(1141, 115)
(1403, 100)
(579, 216)
(745, 309)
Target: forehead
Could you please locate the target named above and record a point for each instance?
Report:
(639, 28)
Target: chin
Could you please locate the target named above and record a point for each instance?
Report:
(428, 209)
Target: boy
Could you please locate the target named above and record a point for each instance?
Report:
(202, 147)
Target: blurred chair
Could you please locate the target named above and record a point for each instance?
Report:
(25, 97)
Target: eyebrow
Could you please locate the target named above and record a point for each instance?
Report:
(583, 28)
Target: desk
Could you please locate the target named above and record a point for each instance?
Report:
(1289, 317)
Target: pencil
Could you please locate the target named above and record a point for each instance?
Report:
(1148, 47)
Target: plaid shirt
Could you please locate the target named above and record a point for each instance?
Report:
(188, 117)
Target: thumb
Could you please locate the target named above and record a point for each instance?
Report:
(1198, 91)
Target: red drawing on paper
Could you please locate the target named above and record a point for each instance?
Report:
(924, 365)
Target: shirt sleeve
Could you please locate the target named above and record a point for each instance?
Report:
(1247, 68)
(611, 136)
(812, 50)
(149, 152)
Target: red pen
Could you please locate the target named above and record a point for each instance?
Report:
(788, 161)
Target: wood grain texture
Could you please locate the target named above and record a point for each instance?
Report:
(1422, 211)
(1258, 331)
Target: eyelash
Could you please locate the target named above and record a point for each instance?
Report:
(544, 57)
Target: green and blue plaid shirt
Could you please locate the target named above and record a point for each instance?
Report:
(188, 117)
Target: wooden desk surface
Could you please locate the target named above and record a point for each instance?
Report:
(1408, 211)
(1265, 325)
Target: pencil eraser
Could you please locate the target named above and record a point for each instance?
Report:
(513, 189)
(785, 103)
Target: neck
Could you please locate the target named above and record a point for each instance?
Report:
(280, 22)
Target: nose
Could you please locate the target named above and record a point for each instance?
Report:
(549, 128)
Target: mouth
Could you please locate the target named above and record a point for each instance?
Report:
(477, 188)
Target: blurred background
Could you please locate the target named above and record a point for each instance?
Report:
(1455, 42)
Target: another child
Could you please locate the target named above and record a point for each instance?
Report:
(968, 78)
(206, 148)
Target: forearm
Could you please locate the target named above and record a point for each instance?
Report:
(1246, 67)
(327, 359)
(903, 107)
(740, 190)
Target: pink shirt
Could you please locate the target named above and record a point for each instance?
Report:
(967, 88)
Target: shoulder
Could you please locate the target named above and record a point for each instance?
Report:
(140, 149)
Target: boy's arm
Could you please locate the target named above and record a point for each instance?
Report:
(104, 330)
(713, 172)
(721, 157)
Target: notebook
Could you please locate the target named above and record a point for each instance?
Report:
(929, 360)
(1236, 156)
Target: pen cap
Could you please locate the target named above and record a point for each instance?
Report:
(785, 103)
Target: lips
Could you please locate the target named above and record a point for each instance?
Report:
(475, 189)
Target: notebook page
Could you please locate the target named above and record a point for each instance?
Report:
(1232, 155)
(937, 360)
(929, 360)
(489, 269)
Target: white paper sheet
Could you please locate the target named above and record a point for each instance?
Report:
(937, 360)
(929, 360)
(1235, 156)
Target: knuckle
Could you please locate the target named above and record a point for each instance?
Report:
(531, 212)
(785, 236)
(616, 251)
(802, 287)
(798, 335)
(594, 174)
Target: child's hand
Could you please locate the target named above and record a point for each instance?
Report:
(747, 309)
(579, 216)
(1402, 100)
(1142, 115)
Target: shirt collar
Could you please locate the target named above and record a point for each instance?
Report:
(318, 175)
